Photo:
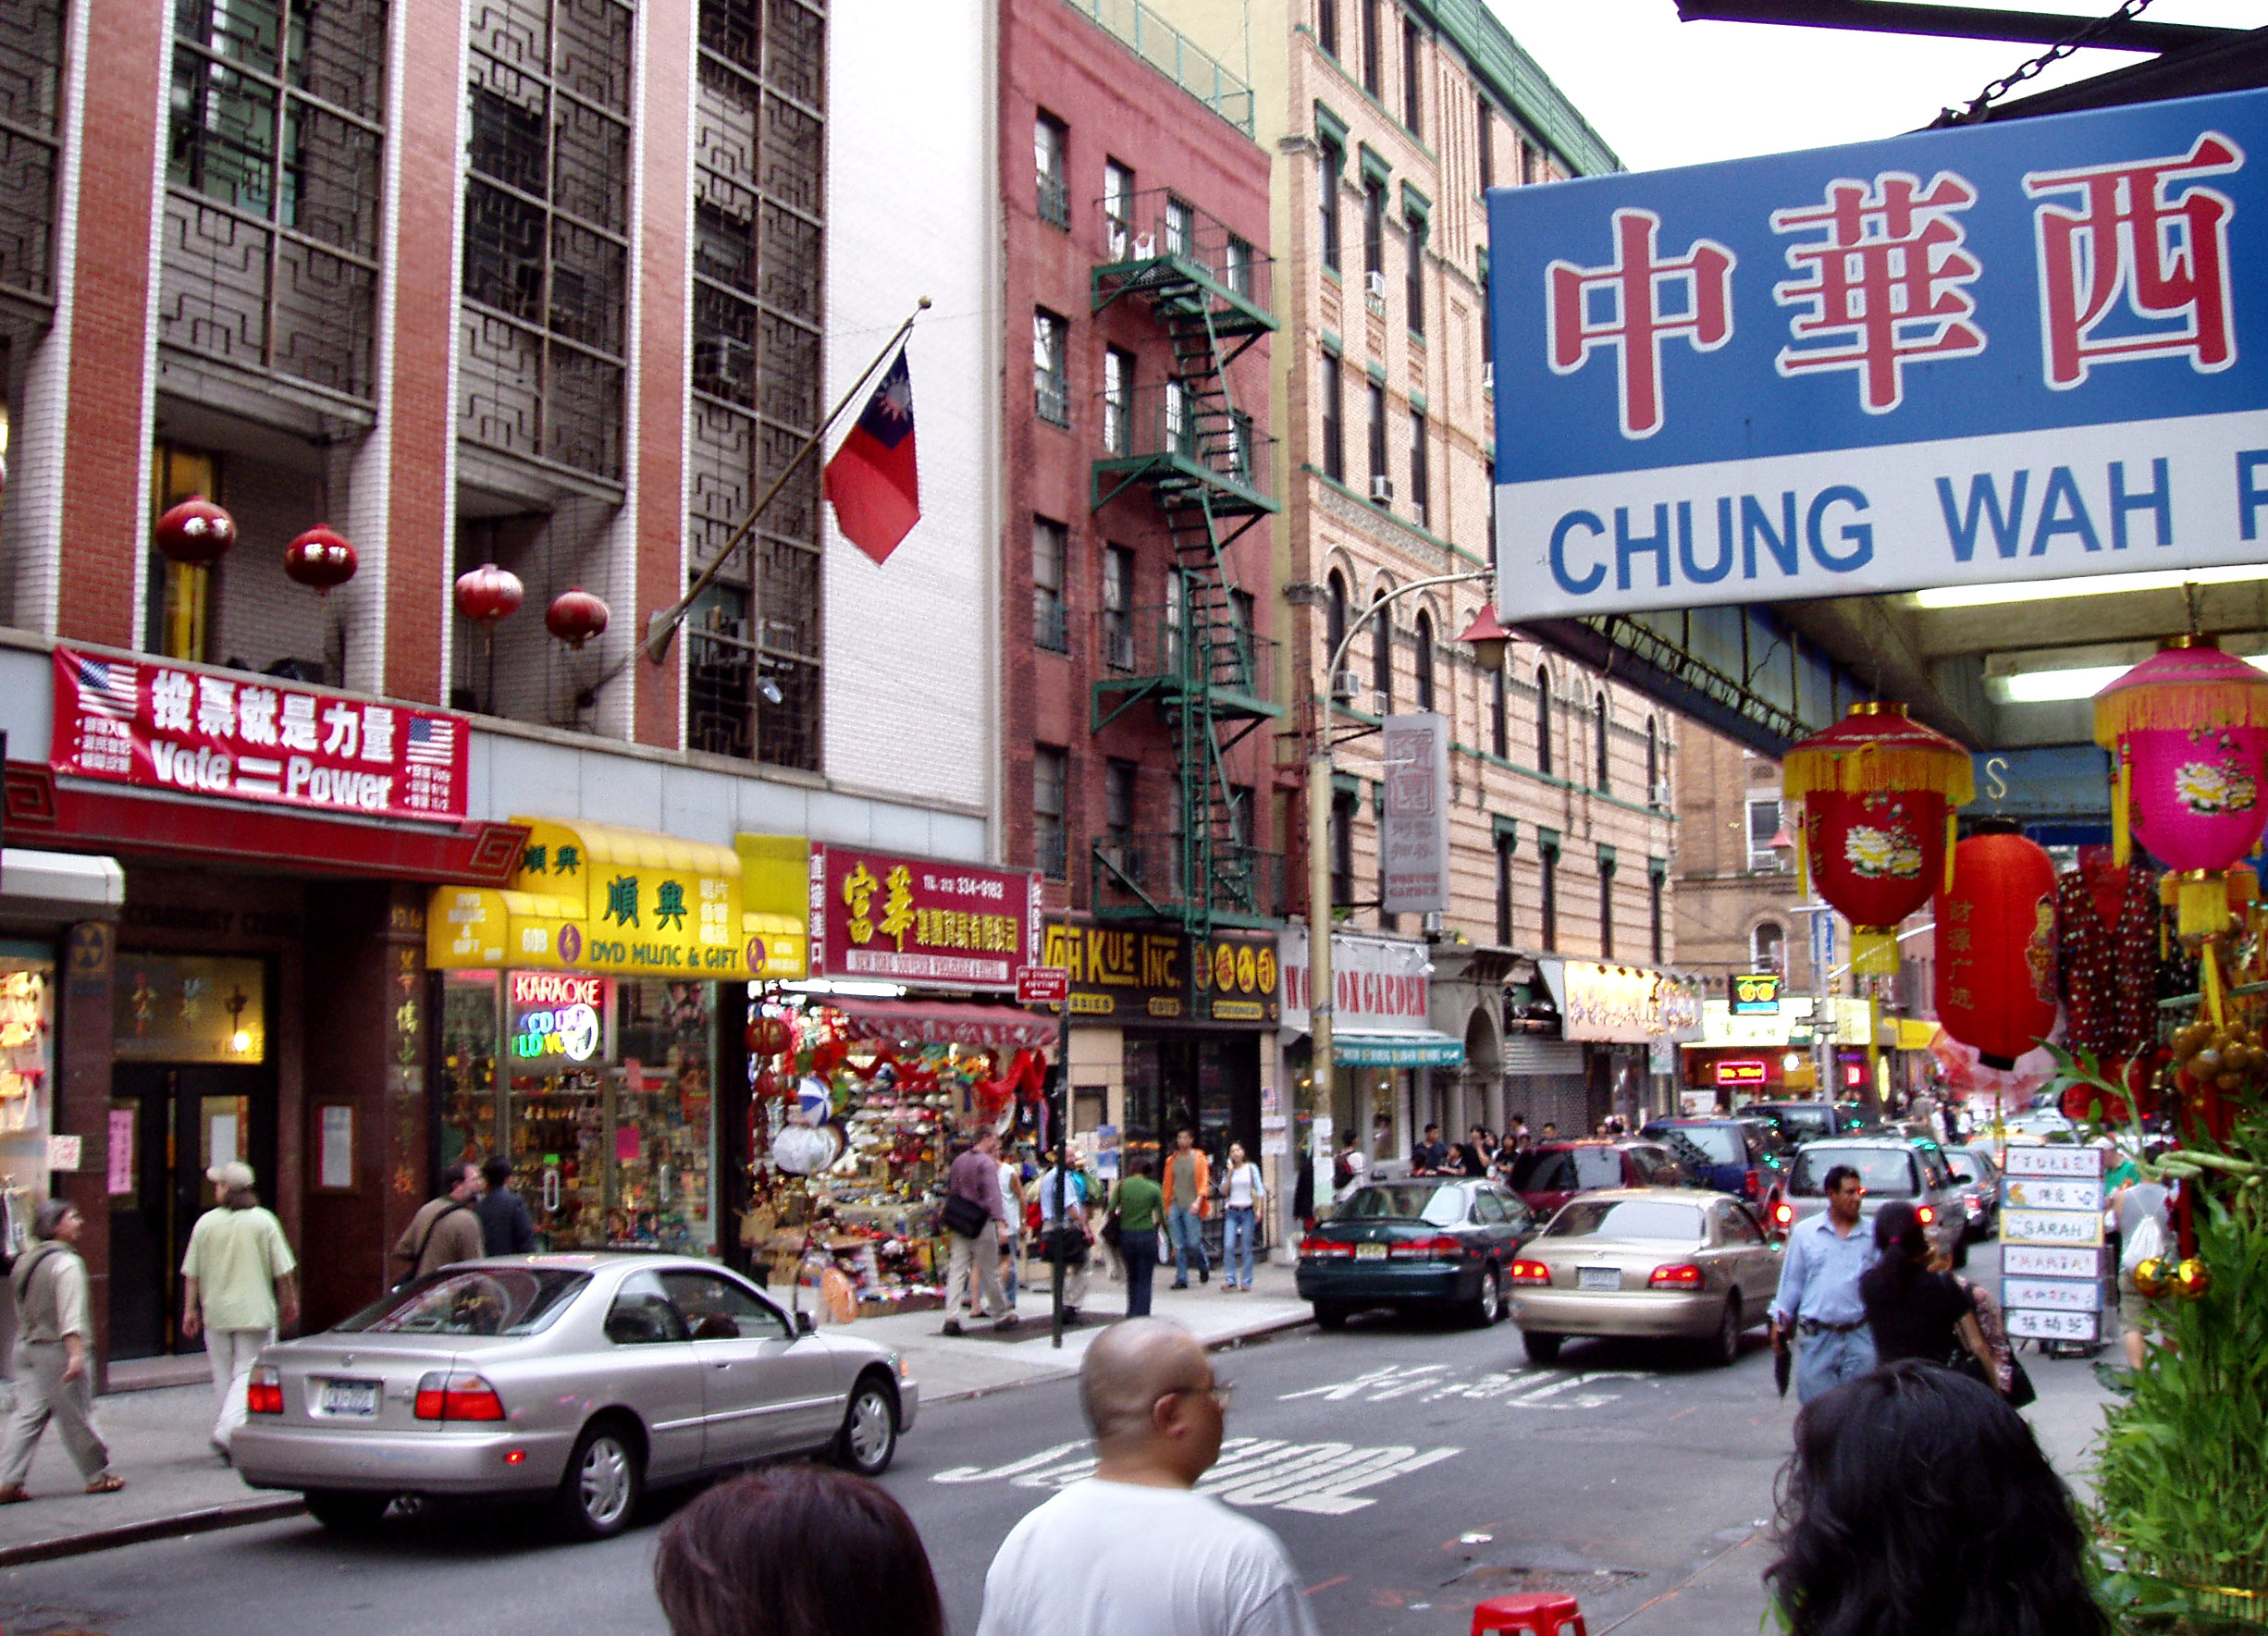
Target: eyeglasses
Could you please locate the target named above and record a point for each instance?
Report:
(1220, 1390)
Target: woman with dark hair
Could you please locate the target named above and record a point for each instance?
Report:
(1917, 1501)
(795, 1551)
(1912, 1312)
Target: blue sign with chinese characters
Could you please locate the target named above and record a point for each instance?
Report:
(2018, 350)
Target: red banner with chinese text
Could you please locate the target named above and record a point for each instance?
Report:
(916, 921)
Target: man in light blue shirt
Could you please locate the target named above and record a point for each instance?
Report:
(1819, 1297)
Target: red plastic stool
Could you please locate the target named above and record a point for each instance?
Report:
(1539, 1614)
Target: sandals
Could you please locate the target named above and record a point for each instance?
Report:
(109, 1482)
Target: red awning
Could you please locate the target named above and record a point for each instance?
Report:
(949, 1022)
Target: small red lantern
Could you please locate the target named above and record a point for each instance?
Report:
(195, 532)
(769, 1036)
(1996, 945)
(574, 617)
(321, 559)
(487, 594)
(1878, 792)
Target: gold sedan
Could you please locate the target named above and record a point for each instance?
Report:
(1659, 1263)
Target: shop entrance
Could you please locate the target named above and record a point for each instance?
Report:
(1208, 1082)
(184, 1119)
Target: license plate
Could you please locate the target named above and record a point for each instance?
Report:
(349, 1397)
(1370, 1252)
(1598, 1277)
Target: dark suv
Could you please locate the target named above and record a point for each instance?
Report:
(1798, 1123)
(1738, 1155)
(1548, 1174)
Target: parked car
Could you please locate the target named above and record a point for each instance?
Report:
(1798, 1123)
(1430, 1241)
(1889, 1167)
(1660, 1263)
(1980, 1188)
(1548, 1174)
(579, 1379)
(1734, 1154)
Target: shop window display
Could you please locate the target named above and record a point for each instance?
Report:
(27, 1061)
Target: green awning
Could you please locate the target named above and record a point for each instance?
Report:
(1423, 1049)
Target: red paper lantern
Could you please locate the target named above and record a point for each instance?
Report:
(194, 532)
(768, 1035)
(1996, 947)
(321, 559)
(574, 617)
(487, 594)
(1878, 792)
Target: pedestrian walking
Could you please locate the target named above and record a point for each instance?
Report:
(2144, 1232)
(1189, 1204)
(1917, 1500)
(1818, 1299)
(1429, 1157)
(1064, 1234)
(444, 1229)
(976, 1218)
(1133, 1550)
(1242, 1193)
(1473, 1153)
(52, 1378)
(236, 1286)
(506, 1228)
(1013, 1202)
(1911, 1311)
(795, 1551)
(1139, 1205)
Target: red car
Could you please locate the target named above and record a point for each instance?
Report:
(1549, 1174)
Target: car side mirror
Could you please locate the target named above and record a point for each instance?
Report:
(804, 1322)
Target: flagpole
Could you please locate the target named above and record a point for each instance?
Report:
(663, 623)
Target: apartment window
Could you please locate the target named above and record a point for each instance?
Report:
(1117, 400)
(1421, 482)
(35, 78)
(1118, 803)
(1326, 25)
(1768, 947)
(1423, 646)
(1599, 721)
(1485, 129)
(1655, 794)
(1499, 716)
(1048, 777)
(1542, 720)
(1412, 75)
(1241, 614)
(1415, 229)
(1169, 638)
(1179, 226)
(1507, 839)
(1051, 345)
(1331, 162)
(1763, 825)
(1117, 608)
(1381, 655)
(1373, 225)
(1117, 208)
(1343, 802)
(1656, 881)
(1488, 339)
(1334, 418)
(1334, 614)
(181, 612)
(1373, 46)
(1388, 923)
(1241, 807)
(1050, 618)
(1050, 139)
(1548, 855)
(1237, 264)
(1180, 424)
(1381, 487)
(1606, 905)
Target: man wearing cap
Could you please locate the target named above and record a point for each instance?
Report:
(236, 1285)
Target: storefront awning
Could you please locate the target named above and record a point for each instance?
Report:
(1379, 1048)
(65, 885)
(948, 1021)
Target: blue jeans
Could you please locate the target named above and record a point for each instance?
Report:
(1138, 1247)
(1188, 1232)
(1825, 1359)
(1239, 1230)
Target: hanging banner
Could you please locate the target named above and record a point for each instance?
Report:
(1998, 352)
(1415, 823)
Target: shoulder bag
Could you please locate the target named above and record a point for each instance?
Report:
(418, 1255)
(964, 1216)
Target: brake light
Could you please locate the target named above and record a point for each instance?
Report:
(1324, 1249)
(454, 1394)
(1783, 1214)
(1927, 1214)
(1530, 1272)
(1752, 1185)
(1426, 1249)
(264, 1392)
(1678, 1275)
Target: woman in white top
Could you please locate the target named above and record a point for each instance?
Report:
(1241, 1192)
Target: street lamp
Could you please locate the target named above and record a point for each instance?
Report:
(1488, 640)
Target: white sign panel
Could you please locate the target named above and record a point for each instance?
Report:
(2054, 1295)
(2042, 1261)
(1415, 825)
(2027, 1323)
(2051, 1226)
(1378, 983)
(2044, 1161)
(2035, 1193)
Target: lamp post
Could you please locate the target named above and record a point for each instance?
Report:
(1489, 640)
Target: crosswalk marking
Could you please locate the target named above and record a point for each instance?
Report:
(1319, 1479)
(1430, 1382)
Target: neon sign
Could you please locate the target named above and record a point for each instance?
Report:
(558, 1015)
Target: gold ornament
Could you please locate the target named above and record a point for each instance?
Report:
(2192, 1279)
(2152, 1277)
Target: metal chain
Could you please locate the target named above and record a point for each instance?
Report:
(2032, 69)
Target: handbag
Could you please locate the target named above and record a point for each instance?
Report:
(1112, 1229)
(964, 1216)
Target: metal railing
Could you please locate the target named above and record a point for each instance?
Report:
(1166, 49)
(1051, 399)
(1136, 873)
(1155, 642)
(1157, 223)
(1051, 622)
(1050, 849)
(1167, 419)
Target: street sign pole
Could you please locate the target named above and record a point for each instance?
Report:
(1042, 985)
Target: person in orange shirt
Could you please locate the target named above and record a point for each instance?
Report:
(1188, 1200)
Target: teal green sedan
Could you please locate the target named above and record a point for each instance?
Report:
(1444, 1241)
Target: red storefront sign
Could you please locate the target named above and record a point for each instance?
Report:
(911, 920)
(159, 725)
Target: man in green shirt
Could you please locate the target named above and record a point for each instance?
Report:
(236, 1284)
(1140, 1203)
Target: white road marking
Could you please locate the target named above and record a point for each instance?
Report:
(1320, 1479)
(1526, 1388)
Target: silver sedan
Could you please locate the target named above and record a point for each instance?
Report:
(578, 1378)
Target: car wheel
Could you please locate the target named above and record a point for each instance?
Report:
(1487, 1307)
(1542, 1348)
(869, 1436)
(346, 1512)
(1727, 1350)
(605, 1476)
(1330, 1315)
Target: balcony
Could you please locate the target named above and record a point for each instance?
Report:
(1143, 877)
(1166, 49)
(1187, 448)
(1147, 651)
(1158, 244)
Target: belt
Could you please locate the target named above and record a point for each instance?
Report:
(1814, 1326)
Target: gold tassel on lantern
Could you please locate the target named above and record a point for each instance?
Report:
(1874, 951)
(1952, 838)
(2122, 796)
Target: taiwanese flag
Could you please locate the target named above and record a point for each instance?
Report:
(872, 480)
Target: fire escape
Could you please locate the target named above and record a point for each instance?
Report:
(1196, 660)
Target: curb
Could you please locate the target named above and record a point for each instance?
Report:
(154, 1528)
(1258, 1331)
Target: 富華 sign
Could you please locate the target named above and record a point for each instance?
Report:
(914, 920)
(1997, 352)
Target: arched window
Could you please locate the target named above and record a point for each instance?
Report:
(1381, 655)
(1334, 615)
(1767, 946)
(1598, 719)
(1425, 660)
(1543, 720)
(1653, 794)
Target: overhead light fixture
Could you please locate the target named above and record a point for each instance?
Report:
(2104, 584)
(2078, 682)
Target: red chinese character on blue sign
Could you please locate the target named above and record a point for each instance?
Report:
(1887, 285)
(1634, 323)
(2167, 256)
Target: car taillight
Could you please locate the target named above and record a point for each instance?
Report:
(1783, 1214)
(1752, 1185)
(264, 1392)
(1530, 1272)
(453, 1394)
(1678, 1275)
(1426, 1249)
(1926, 1214)
(1324, 1249)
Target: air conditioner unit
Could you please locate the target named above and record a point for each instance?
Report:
(1661, 794)
(1374, 286)
(1488, 377)
(1346, 684)
(1382, 490)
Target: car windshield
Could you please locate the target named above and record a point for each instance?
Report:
(1886, 1173)
(478, 1300)
(1625, 1218)
(1721, 1143)
(1406, 1201)
(1598, 1167)
(1804, 1120)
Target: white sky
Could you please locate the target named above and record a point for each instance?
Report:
(1664, 93)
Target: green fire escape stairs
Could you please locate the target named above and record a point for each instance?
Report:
(1186, 443)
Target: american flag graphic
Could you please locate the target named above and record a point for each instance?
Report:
(108, 687)
(432, 743)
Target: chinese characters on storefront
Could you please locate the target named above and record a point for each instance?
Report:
(1623, 1004)
(914, 921)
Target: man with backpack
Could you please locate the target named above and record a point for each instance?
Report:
(445, 1229)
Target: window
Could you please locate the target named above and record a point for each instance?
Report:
(1117, 608)
(1050, 388)
(1117, 208)
(1381, 655)
(1499, 716)
(1486, 147)
(1386, 922)
(1050, 139)
(1547, 853)
(1342, 846)
(1655, 794)
(1047, 790)
(1176, 593)
(1374, 46)
(1118, 801)
(1657, 880)
(643, 1314)
(1331, 160)
(1050, 618)
(1413, 223)
(1179, 227)
(1768, 947)
(719, 1309)
(181, 611)
(1412, 75)
(1237, 264)
(1334, 418)
(1421, 482)
(1381, 489)
(1241, 806)
(1242, 613)
(1334, 616)
(1606, 905)
(1373, 225)
(1542, 720)
(1602, 780)
(1326, 25)
(1507, 842)
(1423, 646)
(1117, 400)
(1763, 825)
